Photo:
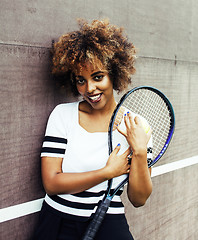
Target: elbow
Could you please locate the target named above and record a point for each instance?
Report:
(138, 204)
(49, 189)
(51, 183)
(139, 199)
(50, 192)
(50, 186)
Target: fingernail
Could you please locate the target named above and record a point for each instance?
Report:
(127, 112)
(118, 145)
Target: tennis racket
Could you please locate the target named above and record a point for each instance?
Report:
(155, 110)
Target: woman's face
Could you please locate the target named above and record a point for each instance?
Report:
(95, 86)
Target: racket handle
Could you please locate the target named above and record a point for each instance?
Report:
(97, 220)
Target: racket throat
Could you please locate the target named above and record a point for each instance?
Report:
(108, 199)
(104, 206)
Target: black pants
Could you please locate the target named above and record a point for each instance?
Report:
(54, 227)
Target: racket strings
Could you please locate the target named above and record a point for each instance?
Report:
(152, 107)
(119, 117)
(161, 120)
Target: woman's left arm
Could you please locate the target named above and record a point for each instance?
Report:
(139, 185)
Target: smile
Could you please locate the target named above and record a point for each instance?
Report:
(95, 98)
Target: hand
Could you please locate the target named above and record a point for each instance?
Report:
(118, 164)
(135, 133)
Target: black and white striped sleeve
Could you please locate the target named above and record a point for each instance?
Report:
(55, 140)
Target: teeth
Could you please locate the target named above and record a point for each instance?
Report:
(95, 97)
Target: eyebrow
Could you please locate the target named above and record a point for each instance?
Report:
(98, 72)
(93, 74)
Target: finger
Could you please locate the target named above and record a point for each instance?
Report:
(137, 120)
(126, 120)
(117, 149)
(131, 119)
(120, 130)
(127, 152)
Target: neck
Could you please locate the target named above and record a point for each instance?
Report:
(106, 110)
(95, 120)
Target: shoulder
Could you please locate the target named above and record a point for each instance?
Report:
(62, 117)
(63, 112)
(65, 109)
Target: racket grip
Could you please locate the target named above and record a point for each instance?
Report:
(97, 220)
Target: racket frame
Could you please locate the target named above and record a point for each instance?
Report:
(171, 131)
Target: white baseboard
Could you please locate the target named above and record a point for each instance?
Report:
(24, 209)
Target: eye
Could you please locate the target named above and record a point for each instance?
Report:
(80, 81)
(98, 77)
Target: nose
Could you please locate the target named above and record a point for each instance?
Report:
(90, 86)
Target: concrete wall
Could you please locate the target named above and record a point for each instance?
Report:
(165, 32)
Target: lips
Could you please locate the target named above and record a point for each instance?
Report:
(95, 98)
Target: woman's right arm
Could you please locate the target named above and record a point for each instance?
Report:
(57, 182)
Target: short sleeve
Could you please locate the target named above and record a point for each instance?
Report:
(55, 140)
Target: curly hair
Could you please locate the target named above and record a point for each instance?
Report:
(92, 42)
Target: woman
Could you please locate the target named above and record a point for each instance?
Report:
(96, 60)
